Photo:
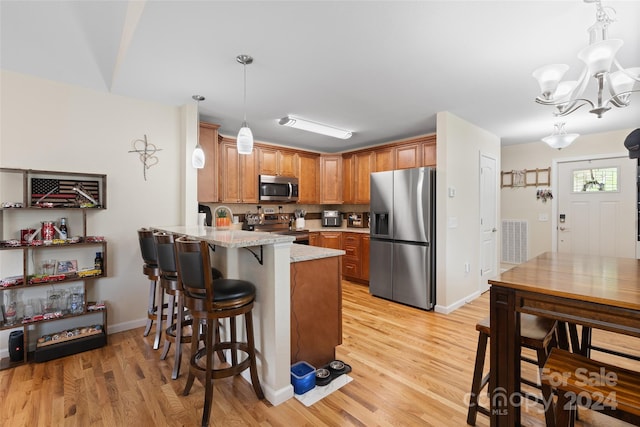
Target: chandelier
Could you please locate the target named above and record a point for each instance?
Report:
(560, 138)
(614, 88)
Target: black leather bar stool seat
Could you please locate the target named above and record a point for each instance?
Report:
(210, 301)
(536, 333)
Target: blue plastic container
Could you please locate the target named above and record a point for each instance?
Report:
(303, 377)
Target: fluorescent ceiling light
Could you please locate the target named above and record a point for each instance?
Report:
(310, 126)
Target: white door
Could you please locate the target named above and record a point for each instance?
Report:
(596, 207)
(488, 220)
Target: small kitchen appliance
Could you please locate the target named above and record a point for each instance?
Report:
(331, 219)
(358, 220)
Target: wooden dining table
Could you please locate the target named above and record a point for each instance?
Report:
(593, 291)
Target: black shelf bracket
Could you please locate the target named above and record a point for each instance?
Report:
(259, 258)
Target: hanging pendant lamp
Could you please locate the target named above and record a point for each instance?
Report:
(197, 158)
(244, 141)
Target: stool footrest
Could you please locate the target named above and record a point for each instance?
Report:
(226, 371)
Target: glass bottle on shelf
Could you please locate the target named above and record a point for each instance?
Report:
(98, 261)
(64, 231)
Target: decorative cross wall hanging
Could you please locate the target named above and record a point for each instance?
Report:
(146, 152)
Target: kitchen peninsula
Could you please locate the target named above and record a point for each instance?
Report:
(268, 261)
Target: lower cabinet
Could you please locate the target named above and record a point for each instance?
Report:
(330, 239)
(316, 310)
(356, 259)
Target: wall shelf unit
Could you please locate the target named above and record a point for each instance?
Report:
(44, 284)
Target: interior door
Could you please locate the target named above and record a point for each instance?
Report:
(488, 220)
(596, 207)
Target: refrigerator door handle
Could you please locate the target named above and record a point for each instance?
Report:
(420, 206)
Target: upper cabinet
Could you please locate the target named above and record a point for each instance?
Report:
(383, 159)
(429, 151)
(406, 154)
(309, 178)
(331, 179)
(348, 184)
(363, 165)
(238, 174)
(273, 161)
(207, 176)
(323, 179)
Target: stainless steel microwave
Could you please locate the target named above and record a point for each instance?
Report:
(283, 189)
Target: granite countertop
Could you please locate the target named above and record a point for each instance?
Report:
(227, 238)
(308, 253)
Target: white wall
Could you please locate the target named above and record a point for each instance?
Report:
(53, 126)
(521, 202)
(459, 145)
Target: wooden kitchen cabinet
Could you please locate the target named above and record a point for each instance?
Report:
(363, 166)
(331, 239)
(309, 178)
(238, 174)
(355, 263)
(351, 260)
(348, 181)
(208, 176)
(429, 156)
(267, 161)
(364, 256)
(331, 179)
(277, 162)
(314, 238)
(316, 310)
(407, 156)
(287, 163)
(383, 159)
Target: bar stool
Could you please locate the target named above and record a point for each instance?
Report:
(151, 270)
(209, 301)
(179, 317)
(536, 333)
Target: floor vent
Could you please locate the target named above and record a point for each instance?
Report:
(514, 241)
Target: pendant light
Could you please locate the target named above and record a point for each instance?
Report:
(197, 158)
(244, 141)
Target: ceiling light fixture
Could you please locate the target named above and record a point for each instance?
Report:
(310, 126)
(244, 142)
(598, 56)
(560, 138)
(197, 158)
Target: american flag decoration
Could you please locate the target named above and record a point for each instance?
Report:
(64, 193)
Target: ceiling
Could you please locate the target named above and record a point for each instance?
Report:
(380, 69)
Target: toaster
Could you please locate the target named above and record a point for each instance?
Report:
(331, 219)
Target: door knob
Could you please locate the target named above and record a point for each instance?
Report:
(563, 229)
(494, 230)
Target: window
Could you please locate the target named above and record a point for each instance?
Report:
(595, 180)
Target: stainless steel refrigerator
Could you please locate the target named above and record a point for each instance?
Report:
(402, 228)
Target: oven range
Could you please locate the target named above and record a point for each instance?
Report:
(278, 223)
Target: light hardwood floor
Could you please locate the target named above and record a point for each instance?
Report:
(410, 368)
